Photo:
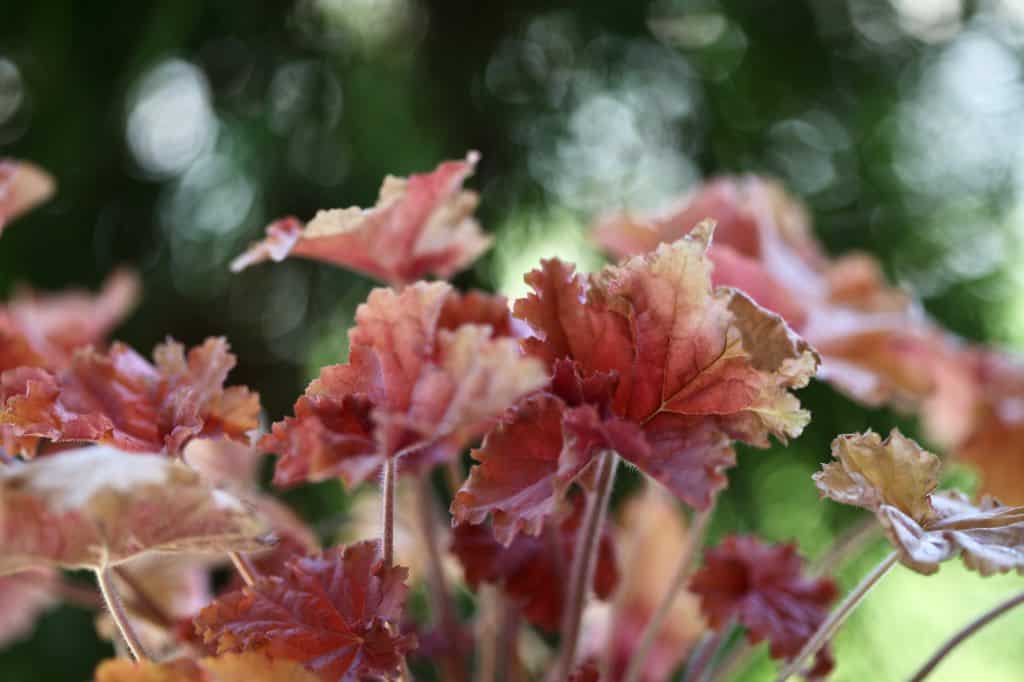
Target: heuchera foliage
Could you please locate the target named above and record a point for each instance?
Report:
(695, 340)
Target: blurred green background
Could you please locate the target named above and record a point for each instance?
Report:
(178, 129)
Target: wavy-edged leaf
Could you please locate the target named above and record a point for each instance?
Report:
(420, 226)
(533, 571)
(119, 398)
(413, 388)
(896, 479)
(336, 613)
(663, 368)
(23, 186)
(97, 507)
(764, 588)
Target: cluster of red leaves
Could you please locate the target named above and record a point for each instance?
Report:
(647, 359)
(533, 571)
(876, 344)
(762, 587)
(120, 399)
(425, 376)
(420, 226)
(336, 613)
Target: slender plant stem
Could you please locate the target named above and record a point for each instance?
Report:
(733, 663)
(508, 631)
(439, 595)
(388, 512)
(705, 652)
(120, 616)
(488, 634)
(968, 630)
(850, 543)
(687, 562)
(584, 559)
(142, 602)
(838, 615)
(454, 475)
(244, 567)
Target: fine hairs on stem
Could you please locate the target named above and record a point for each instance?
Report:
(583, 561)
(120, 616)
(838, 616)
(687, 562)
(244, 567)
(966, 632)
(388, 485)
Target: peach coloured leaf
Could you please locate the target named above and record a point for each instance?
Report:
(763, 587)
(694, 367)
(25, 596)
(872, 473)
(120, 399)
(23, 186)
(337, 614)
(420, 226)
(533, 571)
(896, 479)
(44, 330)
(248, 667)
(97, 506)
(411, 388)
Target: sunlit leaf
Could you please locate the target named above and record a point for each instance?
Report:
(96, 507)
(420, 226)
(119, 398)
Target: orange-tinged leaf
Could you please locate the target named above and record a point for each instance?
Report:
(23, 186)
(420, 226)
(119, 398)
(96, 506)
(412, 388)
(247, 667)
(896, 479)
(871, 472)
(763, 587)
(874, 342)
(652, 361)
(336, 613)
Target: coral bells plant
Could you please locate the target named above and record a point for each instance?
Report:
(534, 564)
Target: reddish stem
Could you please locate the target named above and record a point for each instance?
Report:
(584, 560)
(388, 485)
(244, 567)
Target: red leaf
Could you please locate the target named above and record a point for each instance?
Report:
(24, 597)
(413, 387)
(874, 343)
(337, 614)
(763, 588)
(120, 399)
(533, 571)
(649, 360)
(420, 226)
(23, 186)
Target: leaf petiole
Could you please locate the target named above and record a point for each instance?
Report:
(120, 616)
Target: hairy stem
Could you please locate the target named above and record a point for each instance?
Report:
(838, 615)
(508, 631)
(142, 602)
(687, 562)
(702, 656)
(968, 630)
(244, 567)
(388, 512)
(582, 571)
(849, 544)
(118, 613)
(734, 662)
(439, 595)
